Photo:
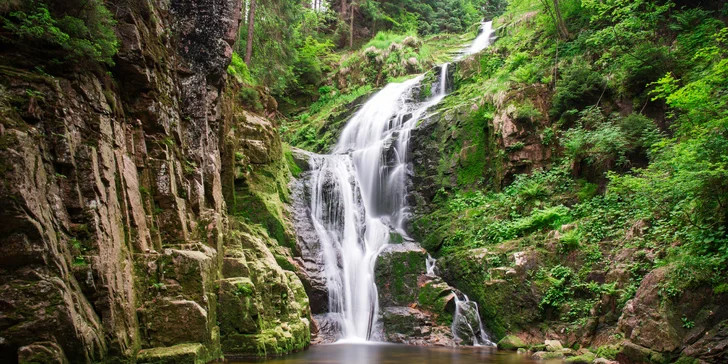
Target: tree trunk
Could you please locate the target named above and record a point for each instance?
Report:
(251, 28)
(561, 24)
(351, 26)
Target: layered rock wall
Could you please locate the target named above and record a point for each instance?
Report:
(115, 239)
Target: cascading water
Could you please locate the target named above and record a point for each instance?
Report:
(466, 324)
(430, 265)
(483, 39)
(358, 198)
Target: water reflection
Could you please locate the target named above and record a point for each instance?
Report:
(392, 353)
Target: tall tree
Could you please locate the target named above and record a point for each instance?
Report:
(251, 28)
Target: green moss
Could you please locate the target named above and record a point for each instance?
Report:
(178, 354)
(396, 274)
(262, 200)
(511, 343)
(586, 358)
(292, 166)
(475, 144)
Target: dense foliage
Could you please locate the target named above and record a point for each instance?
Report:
(637, 122)
(69, 31)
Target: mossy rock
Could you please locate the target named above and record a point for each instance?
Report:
(546, 355)
(511, 342)
(437, 296)
(638, 354)
(178, 354)
(396, 272)
(237, 310)
(585, 358)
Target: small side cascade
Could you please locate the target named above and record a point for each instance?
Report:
(466, 324)
(442, 88)
(430, 265)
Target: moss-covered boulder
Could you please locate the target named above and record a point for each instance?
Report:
(396, 274)
(585, 358)
(633, 353)
(238, 306)
(193, 353)
(436, 295)
(511, 342)
(265, 313)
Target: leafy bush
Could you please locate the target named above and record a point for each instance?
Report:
(596, 141)
(80, 30)
(578, 87)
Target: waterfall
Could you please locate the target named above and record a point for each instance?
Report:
(358, 198)
(442, 90)
(482, 41)
(430, 265)
(466, 324)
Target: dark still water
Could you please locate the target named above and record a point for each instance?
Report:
(393, 353)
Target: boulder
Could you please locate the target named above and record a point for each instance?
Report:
(396, 274)
(546, 355)
(586, 358)
(45, 352)
(511, 342)
(633, 353)
(178, 354)
(553, 345)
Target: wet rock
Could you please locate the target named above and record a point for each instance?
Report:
(633, 353)
(397, 271)
(329, 328)
(311, 261)
(586, 358)
(546, 355)
(178, 354)
(511, 342)
(553, 345)
(42, 352)
(408, 325)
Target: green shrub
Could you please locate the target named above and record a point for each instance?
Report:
(239, 70)
(569, 241)
(607, 352)
(78, 29)
(578, 87)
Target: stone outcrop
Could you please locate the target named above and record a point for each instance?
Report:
(116, 240)
(415, 308)
(657, 326)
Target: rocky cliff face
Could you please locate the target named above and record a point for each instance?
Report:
(116, 240)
